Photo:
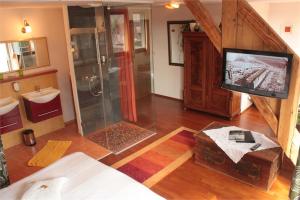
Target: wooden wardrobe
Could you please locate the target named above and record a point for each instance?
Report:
(203, 78)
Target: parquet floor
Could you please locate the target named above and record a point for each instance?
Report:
(190, 181)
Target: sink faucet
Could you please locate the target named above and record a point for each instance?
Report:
(37, 88)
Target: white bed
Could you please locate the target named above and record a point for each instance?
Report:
(88, 180)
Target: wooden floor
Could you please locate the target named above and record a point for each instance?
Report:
(168, 115)
(189, 181)
(18, 156)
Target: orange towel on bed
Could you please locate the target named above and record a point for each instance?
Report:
(50, 153)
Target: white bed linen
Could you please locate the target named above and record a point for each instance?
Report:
(88, 180)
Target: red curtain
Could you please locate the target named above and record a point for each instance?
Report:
(124, 59)
(127, 90)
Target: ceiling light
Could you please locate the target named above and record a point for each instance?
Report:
(172, 5)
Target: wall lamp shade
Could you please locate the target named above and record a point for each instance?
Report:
(26, 28)
(172, 5)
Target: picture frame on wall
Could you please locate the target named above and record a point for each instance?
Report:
(175, 41)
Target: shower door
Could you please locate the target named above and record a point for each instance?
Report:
(96, 82)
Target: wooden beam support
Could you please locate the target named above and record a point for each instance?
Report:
(262, 28)
(206, 22)
(227, 39)
(267, 112)
(229, 23)
(230, 10)
(233, 12)
(289, 109)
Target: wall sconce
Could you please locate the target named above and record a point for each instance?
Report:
(26, 28)
(172, 5)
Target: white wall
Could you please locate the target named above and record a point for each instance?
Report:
(47, 22)
(279, 15)
(168, 80)
(286, 14)
(262, 8)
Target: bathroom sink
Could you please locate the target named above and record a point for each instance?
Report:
(42, 96)
(7, 105)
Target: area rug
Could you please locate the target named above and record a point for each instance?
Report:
(154, 162)
(120, 136)
(51, 152)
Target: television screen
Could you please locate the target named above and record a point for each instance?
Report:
(257, 72)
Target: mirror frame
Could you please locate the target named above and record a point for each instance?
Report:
(29, 68)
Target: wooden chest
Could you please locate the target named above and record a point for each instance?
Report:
(258, 168)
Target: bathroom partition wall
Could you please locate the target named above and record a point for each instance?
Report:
(111, 56)
(96, 76)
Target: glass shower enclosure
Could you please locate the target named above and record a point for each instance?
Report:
(111, 74)
(96, 77)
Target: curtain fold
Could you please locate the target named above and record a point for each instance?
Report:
(127, 90)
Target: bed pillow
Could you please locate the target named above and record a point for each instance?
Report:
(47, 189)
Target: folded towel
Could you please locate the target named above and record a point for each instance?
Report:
(50, 153)
(45, 190)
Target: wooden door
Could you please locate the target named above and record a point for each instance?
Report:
(195, 71)
(218, 99)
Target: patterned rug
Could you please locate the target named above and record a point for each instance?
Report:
(120, 136)
(154, 162)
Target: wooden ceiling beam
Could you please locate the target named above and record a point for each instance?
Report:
(206, 22)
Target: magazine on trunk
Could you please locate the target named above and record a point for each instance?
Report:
(241, 136)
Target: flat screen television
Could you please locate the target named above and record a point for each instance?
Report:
(257, 72)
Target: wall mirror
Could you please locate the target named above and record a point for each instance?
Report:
(25, 54)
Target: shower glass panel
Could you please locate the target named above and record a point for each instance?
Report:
(140, 22)
(111, 55)
(97, 84)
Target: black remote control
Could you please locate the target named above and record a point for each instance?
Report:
(255, 147)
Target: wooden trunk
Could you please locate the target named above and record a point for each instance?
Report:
(203, 78)
(257, 168)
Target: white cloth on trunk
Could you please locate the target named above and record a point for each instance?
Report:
(234, 150)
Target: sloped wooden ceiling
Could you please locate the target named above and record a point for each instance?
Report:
(242, 27)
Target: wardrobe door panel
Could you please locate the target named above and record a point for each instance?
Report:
(218, 99)
(203, 78)
(194, 94)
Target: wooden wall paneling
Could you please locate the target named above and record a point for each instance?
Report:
(248, 39)
(275, 105)
(244, 35)
(228, 39)
(206, 22)
(240, 25)
(27, 85)
(263, 30)
(235, 34)
(229, 23)
(289, 108)
(267, 112)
